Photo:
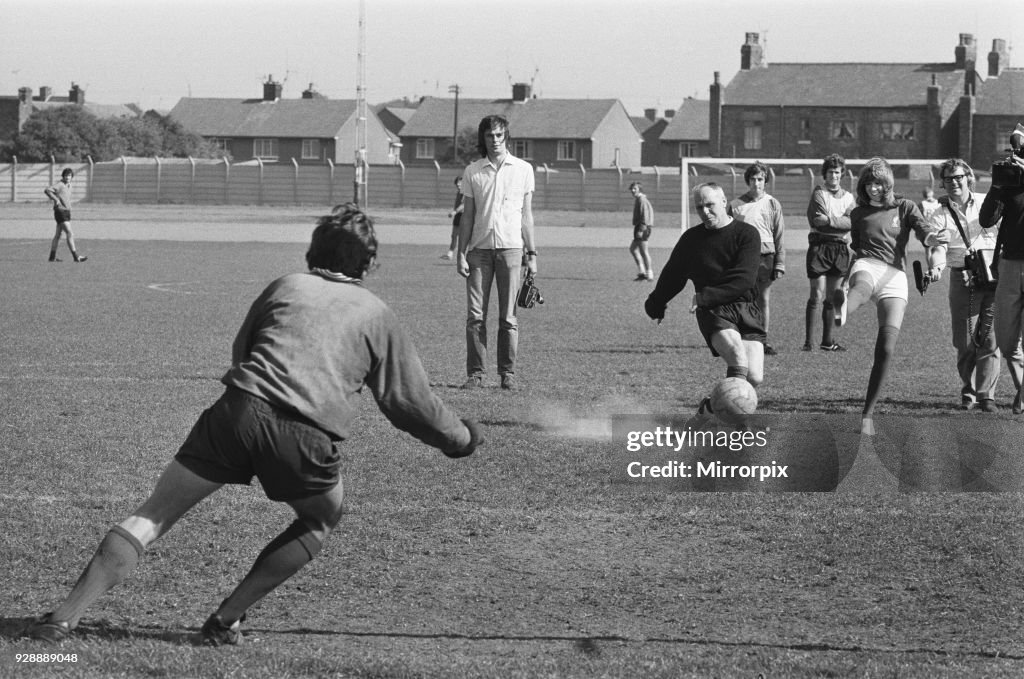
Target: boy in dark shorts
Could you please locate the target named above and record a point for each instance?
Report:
(828, 250)
(721, 257)
(310, 342)
(60, 195)
(643, 222)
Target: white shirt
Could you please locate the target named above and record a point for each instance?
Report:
(979, 238)
(498, 194)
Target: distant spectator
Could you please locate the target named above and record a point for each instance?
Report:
(456, 216)
(928, 202)
(643, 222)
(60, 195)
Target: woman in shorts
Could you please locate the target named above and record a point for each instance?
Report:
(880, 230)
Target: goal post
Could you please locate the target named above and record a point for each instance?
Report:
(791, 180)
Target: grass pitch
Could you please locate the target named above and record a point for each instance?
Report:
(529, 558)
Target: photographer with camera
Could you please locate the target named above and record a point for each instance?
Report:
(1006, 201)
(971, 288)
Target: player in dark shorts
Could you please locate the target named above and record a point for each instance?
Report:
(721, 257)
(60, 195)
(828, 250)
(643, 222)
(310, 342)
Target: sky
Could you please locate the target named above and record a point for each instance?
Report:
(647, 53)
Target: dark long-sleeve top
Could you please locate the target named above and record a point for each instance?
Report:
(309, 344)
(722, 263)
(1007, 203)
(883, 233)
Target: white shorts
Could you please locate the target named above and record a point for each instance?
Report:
(886, 280)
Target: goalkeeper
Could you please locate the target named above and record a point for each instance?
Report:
(308, 345)
(721, 256)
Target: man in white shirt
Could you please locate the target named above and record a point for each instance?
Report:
(497, 226)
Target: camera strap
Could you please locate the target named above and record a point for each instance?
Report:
(959, 226)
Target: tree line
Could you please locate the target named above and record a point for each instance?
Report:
(74, 134)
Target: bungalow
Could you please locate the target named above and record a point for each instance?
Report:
(593, 133)
(14, 111)
(310, 130)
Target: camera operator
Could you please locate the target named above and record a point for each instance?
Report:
(1006, 201)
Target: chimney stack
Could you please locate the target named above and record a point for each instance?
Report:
(752, 53)
(670, 113)
(520, 92)
(650, 113)
(76, 95)
(271, 89)
(45, 93)
(998, 58)
(311, 93)
(966, 52)
(24, 94)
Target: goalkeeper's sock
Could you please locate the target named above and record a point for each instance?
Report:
(740, 371)
(282, 558)
(114, 559)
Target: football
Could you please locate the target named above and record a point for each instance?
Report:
(732, 399)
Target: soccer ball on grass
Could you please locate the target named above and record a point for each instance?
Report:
(732, 399)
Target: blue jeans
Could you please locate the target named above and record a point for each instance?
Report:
(485, 267)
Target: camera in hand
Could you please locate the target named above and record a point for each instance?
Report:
(529, 293)
(1007, 172)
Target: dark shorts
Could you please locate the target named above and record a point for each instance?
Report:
(829, 258)
(641, 232)
(61, 215)
(764, 271)
(241, 436)
(743, 317)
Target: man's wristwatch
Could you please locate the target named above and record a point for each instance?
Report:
(531, 253)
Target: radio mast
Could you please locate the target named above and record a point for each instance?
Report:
(359, 181)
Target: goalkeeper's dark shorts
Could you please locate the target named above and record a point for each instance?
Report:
(241, 436)
(743, 317)
(828, 258)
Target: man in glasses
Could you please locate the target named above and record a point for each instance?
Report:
(971, 302)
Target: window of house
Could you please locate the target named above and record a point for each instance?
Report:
(805, 130)
(898, 131)
(522, 148)
(687, 149)
(1002, 142)
(566, 150)
(311, 149)
(265, 149)
(425, 148)
(752, 135)
(222, 144)
(843, 129)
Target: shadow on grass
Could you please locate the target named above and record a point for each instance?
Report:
(13, 629)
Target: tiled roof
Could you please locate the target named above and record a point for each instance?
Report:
(849, 85)
(691, 122)
(98, 110)
(534, 118)
(1003, 95)
(317, 118)
(642, 123)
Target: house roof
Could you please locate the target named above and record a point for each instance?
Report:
(848, 85)
(642, 123)
(534, 118)
(691, 122)
(317, 118)
(98, 110)
(1002, 95)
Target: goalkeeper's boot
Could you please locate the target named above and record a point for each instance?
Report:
(216, 632)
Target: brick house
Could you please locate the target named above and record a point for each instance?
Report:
(798, 110)
(989, 114)
(594, 133)
(686, 134)
(650, 126)
(310, 130)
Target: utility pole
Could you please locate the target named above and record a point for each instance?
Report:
(359, 180)
(455, 125)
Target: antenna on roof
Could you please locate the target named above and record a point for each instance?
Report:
(764, 44)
